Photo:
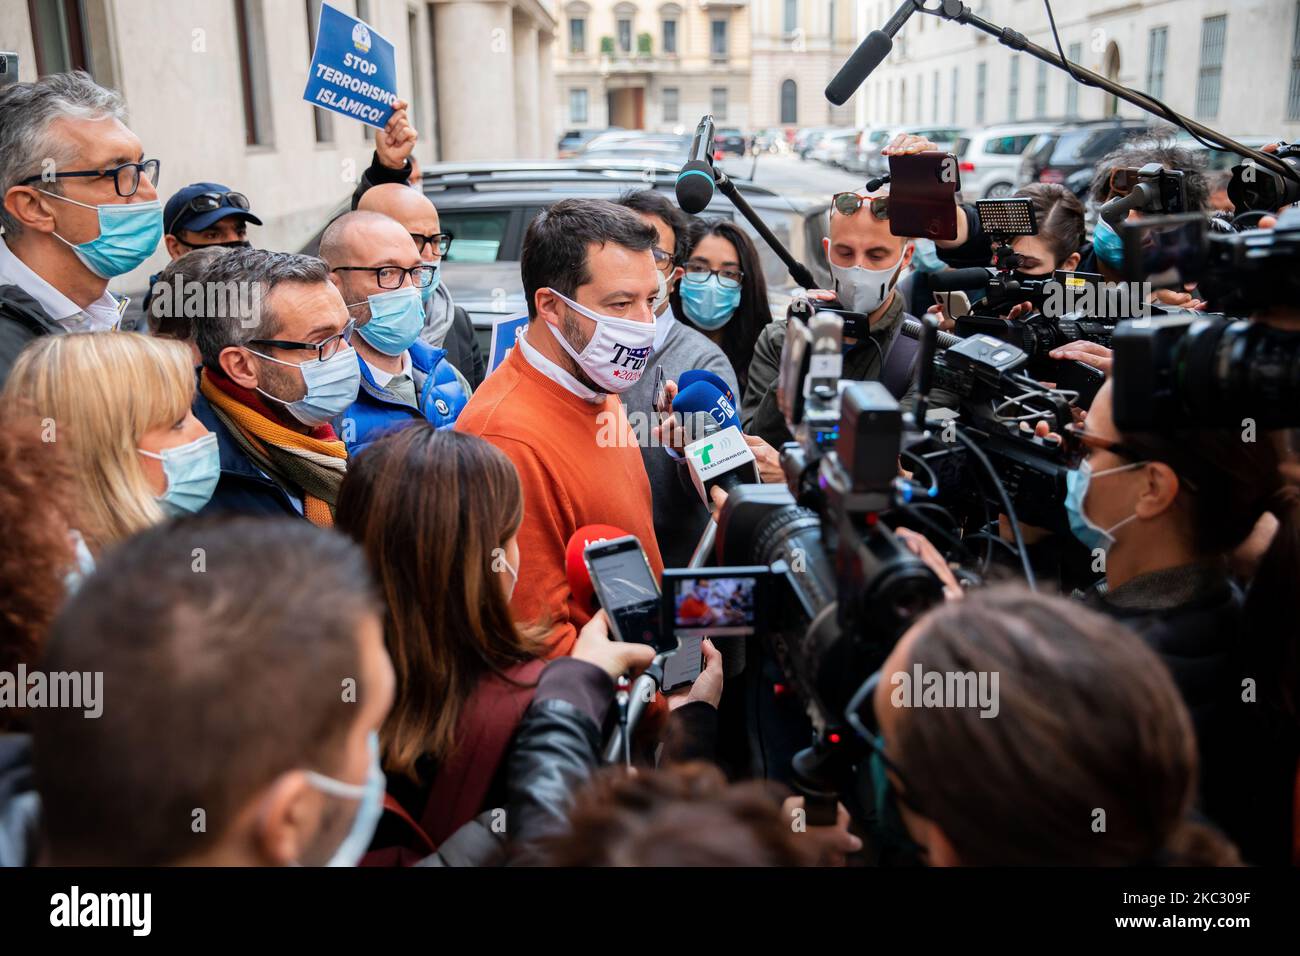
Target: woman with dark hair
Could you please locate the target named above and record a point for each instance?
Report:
(1165, 513)
(437, 514)
(1075, 750)
(723, 293)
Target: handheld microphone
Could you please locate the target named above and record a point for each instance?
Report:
(695, 181)
(721, 456)
(693, 375)
(870, 53)
(575, 566)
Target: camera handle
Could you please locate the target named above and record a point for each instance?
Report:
(817, 770)
(1116, 210)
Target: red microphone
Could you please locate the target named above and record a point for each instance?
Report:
(575, 568)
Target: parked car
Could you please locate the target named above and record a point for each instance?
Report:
(573, 140)
(807, 138)
(487, 208)
(730, 140)
(1068, 155)
(772, 140)
(874, 164)
(636, 146)
(1219, 160)
(990, 158)
(832, 147)
(870, 139)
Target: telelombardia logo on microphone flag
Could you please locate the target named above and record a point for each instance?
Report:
(719, 452)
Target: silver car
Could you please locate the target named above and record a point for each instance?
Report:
(990, 158)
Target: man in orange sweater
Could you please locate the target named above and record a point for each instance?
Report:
(552, 406)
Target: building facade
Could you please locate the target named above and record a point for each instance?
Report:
(797, 47)
(214, 90)
(1233, 65)
(652, 65)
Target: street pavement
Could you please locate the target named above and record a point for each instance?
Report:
(788, 173)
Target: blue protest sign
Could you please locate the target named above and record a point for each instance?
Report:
(504, 333)
(353, 71)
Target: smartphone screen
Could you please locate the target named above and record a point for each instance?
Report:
(630, 596)
(627, 589)
(922, 195)
(714, 607)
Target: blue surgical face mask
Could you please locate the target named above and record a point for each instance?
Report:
(1076, 485)
(332, 386)
(426, 295)
(925, 257)
(128, 235)
(191, 471)
(1107, 244)
(370, 809)
(709, 304)
(892, 830)
(396, 318)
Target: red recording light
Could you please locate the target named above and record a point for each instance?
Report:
(834, 738)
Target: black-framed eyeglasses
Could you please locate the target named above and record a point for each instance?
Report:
(390, 277)
(126, 178)
(324, 350)
(1078, 442)
(727, 278)
(847, 204)
(861, 716)
(663, 261)
(441, 241)
(206, 202)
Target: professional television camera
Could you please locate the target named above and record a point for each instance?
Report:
(1020, 473)
(849, 587)
(1195, 370)
(1257, 187)
(1064, 307)
(1236, 272)
(1150, 190)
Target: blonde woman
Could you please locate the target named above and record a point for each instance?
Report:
(118, 405)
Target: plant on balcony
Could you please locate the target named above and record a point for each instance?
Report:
(643, 42)
(607, 46)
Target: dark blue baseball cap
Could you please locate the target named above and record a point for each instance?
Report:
(199, 205)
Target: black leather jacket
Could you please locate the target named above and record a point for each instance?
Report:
(555, 749)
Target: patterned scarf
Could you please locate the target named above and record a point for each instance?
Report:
(314, 464)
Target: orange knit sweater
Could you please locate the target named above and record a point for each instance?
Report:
(579, 464)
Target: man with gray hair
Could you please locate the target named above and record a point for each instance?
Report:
(78, 208)
(278, 367)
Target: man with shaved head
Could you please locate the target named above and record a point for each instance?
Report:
(377, 268)
(445, 325)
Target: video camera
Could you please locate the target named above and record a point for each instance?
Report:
(850, 586)
(1205, 372)
(1237, 273)
(1256, 187)
(1150, 190)
(1065, 306)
